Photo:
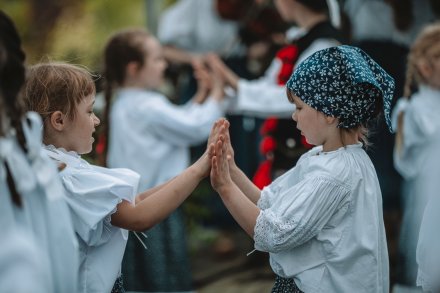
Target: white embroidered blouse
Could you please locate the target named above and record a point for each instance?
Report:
(322, 223)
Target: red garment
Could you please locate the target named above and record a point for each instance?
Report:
(288, 56)
(263, 176)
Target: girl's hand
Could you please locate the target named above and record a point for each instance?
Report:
(227, 141)
(220, 177)
(203, 165)
(204, 81)
(218, 84)
(215, 130)
(217, 65)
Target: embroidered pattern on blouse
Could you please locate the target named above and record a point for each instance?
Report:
(273, 234)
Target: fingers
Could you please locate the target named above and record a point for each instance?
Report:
(211, 150)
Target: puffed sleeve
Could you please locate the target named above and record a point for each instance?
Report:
(299, 213)
(93, 196)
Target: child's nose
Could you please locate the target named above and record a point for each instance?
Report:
(96, 120)
(294, 115)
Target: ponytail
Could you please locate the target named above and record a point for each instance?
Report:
(12, 76)
(124, 47)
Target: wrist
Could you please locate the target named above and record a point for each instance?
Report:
(233, 169)
(196, 171)
(225, 189)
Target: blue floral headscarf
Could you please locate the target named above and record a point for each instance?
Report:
(343, 82)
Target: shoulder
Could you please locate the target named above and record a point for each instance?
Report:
(341, 165)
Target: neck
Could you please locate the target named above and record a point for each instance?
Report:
(308, 20)
(132, 84)
(340, 139)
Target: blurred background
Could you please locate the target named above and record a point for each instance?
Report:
(76, 31)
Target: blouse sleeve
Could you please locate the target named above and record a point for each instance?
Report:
(263, 97)
(300, 213)
(92, 198)
(183, 125)
(417, 129)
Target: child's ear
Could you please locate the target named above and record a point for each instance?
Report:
(424, 68)
(331, 119)
(57, 120)
(132, 68)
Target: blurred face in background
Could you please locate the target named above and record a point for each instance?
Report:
(151, 74)
(429, 67)
(286, 9)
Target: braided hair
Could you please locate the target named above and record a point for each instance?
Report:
(123, 48)
(420, 50)
(12, 76)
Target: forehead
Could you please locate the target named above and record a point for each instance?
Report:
(152, 45)
(297, 100)
(87, 101)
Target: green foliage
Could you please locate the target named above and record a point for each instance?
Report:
(81, 30)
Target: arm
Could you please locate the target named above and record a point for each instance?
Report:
(244, 211)
(182, 126)
(261, 97)
(217, 65)
(157, 204)
(240, 179)
(179, 56)
(399, 134)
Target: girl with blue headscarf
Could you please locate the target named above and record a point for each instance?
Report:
(321, 222)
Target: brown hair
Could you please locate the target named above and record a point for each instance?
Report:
(124, 47)
(420, 50)
(57, 86)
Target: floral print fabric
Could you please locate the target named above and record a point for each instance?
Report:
(343, 82)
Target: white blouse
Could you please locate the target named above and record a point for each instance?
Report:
(419, 163)
(322, 223)
(152, 136)
(44, 214)
(264, 97)
(195, 26)
(93, 193)
(21, 269)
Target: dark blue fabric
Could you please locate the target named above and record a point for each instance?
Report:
(343, 82)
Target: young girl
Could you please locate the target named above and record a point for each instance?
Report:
(321, 221)
(33, 211)
(417, 120)
(316, 22)
(103, 202)
(134, 70)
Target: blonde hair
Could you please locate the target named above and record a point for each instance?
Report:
(56, 86)
(420, 50)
